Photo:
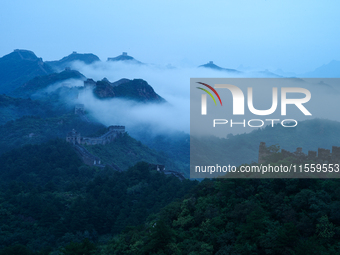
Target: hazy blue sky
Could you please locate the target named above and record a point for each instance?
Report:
(293, 35)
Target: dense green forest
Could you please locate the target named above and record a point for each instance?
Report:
(242, 216)
(252, 216)
(49, 199)
(50, 203)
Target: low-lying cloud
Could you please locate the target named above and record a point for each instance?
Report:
(170, 83)
(173, 85)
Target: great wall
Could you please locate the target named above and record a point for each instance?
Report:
(77, 140)
(321, 156)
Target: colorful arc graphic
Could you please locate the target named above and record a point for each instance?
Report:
(213, 90)
(208, 93)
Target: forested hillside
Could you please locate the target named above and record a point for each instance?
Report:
(35, 130)
(243, 216)
(51, 203)
(48, 198)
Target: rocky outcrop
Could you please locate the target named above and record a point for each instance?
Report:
(137, 89)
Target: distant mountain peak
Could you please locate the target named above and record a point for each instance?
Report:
(18, 67)
(125, 57)
(211, 65)
(26, 54)
(330, 70)
(86, 58)
(267, 73)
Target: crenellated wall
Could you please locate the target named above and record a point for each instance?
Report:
(75, 138)
(321, 156)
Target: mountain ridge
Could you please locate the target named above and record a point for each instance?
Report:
(86, 58)
(42, 82)
(136, 89)
(19, 67)
(124, 57)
